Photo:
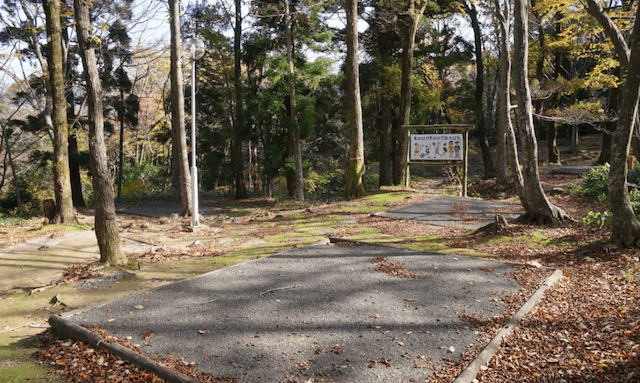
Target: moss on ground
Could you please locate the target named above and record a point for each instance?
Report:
(386, 197)
(17, 365)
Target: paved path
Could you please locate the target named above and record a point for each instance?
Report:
(319, 311)
(444, 211)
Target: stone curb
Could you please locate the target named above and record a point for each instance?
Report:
(471, 372)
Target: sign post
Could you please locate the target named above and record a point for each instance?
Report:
(448, 148)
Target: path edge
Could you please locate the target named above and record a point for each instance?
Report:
(79, 333)
(471, 372)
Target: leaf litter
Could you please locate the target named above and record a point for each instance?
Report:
(585, 328)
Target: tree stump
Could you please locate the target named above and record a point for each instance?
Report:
(493, 228)
(49, 208)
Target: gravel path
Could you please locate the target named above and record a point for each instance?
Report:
(318, 311)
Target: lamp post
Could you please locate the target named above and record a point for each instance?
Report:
(196, 49)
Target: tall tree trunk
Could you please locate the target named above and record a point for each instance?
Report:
(16, 181)
(293, 121)
(74, 171)
(121, 147)
(504, 103)
(609, 126)
(385, 124)
(536, 205)
(238, 172)
(552, 127)
(411, 19)
(355, 185)
(487, 160)
(625, 225)
(509, 154)
(61, 177)
(106, 225)
(74, 164)
(177, 109)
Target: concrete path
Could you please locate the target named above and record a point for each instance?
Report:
(445, 211)
(320, 311)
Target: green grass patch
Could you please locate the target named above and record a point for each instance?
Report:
(386, 197)
(16, 364)
(362, 208)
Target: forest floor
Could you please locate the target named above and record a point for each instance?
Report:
(585, 328)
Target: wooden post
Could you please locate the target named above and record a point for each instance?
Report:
(464, 128)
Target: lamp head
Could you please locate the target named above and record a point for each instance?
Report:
(195, 47)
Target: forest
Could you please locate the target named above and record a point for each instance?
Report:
(305, 99)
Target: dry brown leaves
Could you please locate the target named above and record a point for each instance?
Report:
(397, 228)
(394, 269)
(78, 273)
(78, 362)
(209, 248)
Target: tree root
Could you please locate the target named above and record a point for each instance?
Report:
(555, 217)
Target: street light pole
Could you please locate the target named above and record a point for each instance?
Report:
(196, 48)
(194, 169)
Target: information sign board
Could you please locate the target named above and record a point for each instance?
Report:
(441, 147)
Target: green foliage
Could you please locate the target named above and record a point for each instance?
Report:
(596, 183)
(596, 219)
(35, 186)
(145, 180)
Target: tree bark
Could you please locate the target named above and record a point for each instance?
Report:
(177, 110)
(385, 125)
(536, 204)
(293, 121)
(609, 126)
(61, 177)
(121, 147)
(14, 173)
(487, 160)
(411, 20)
(553, 154)
(625, 226)
(355, 185)
(241, 191)
(505, 128)
(106, 224)
(74, 169)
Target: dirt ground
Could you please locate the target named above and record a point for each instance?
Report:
(585, 329)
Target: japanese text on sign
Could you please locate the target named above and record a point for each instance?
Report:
(436, 147)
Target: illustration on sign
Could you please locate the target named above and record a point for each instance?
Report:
(436, 147)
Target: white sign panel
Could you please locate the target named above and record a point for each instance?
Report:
(436, 147)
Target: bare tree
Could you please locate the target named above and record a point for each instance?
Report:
(355, 186)
(106, 224)
(411, 17)
(537, 206)
(294, 130)
(179, 133)
(625, 225)
(241, 191)
(65, 212)
(507, 147)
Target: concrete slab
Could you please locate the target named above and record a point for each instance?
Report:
(315, 312)
(444, 211)
(164, 209)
